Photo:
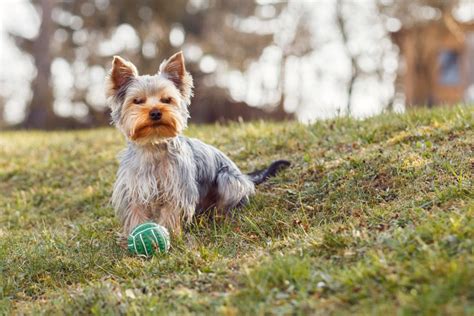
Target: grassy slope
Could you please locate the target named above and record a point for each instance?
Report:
(375, 216)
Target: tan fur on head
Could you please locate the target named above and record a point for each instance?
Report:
(136, 120)
(121, 73)
(132, 97)
(174, 69)
(142, 127)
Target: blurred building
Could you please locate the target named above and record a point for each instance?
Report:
(437, 62)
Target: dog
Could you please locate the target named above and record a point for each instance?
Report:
(164, 176)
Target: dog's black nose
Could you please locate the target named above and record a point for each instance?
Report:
(155, 115)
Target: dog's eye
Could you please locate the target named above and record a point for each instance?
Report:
(139, 100)
(166, 100)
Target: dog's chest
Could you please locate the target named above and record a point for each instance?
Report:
(153, 178)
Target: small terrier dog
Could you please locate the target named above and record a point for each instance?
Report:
(164, 176)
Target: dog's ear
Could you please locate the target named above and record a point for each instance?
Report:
(174, 70)
(120, 75)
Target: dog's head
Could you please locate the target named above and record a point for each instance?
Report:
(149, 108)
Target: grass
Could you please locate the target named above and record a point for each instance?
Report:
(374, 216)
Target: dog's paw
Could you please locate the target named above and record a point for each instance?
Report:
(121, 240)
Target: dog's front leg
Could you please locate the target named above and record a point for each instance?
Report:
(135, 215)
(170, 217)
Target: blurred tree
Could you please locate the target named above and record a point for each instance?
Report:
(40, 113)
(413, 12)
(85, 34)
(223, 29)
(355, 69)
(294, 38)
(365, 27)
(281, 26)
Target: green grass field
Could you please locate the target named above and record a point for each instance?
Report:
(374, 217)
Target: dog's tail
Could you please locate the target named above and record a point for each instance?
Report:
(260, 176)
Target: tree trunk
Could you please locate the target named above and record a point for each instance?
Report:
(279, 113)
(341, 23)
(40, 113)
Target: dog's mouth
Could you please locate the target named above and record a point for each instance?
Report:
(157, 129)
(148, 126)
(156, 125)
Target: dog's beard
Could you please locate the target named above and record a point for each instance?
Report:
(153, 131)
(143, 129)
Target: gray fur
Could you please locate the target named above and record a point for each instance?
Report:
(182, 172)
(170, 179)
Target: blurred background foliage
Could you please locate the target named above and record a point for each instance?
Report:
(250, 59)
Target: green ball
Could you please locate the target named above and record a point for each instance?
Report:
(147, 239)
